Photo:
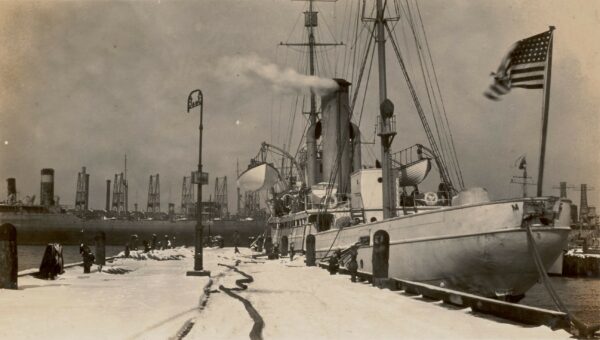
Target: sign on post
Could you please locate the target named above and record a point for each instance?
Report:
(203, 180)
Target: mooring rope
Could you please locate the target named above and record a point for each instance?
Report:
(584, 329)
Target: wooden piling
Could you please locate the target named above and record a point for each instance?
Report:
(8, 257)
(100, 248)
(310, 251)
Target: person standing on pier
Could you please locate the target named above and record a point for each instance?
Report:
(236, 241)
(87, 257)
(153, 245)
(334, 263)
(167, 244)
(353, 265)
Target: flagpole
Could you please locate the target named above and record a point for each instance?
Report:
(545, 107)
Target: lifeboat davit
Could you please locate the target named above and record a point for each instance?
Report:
(258, 177)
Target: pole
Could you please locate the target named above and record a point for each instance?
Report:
(198, 256)
(386, 138)
(198, 261)
(524, 182)
(545, 108)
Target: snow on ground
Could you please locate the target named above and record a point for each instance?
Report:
(151, 302)
(298, 302)
(155, 299)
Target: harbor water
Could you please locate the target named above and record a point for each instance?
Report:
(30, 256)
(581, 297)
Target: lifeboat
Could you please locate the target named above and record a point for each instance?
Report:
(258, 177)
(413, 173)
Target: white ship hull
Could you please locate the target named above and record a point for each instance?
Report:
(479, 248)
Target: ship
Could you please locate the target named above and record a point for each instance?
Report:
(452, 236)
(48, 222)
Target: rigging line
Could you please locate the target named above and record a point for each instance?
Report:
(442, 153)
(347, 36)
(362, 108)
(423, 69)
(291, 126)
(272, 101)
(441, 129)
(327, 27)
(397, 8)
(344, 34)
(306, 125)
(460, 177)
(357, 43)
(293, 27)
(428, 132)
(361, 73)
(293, 112)
(405, 40)
(321, 52)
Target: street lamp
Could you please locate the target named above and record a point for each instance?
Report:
(196, 99)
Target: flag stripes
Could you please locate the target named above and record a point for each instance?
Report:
(524, 66)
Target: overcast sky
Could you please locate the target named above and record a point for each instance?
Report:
(83, 83)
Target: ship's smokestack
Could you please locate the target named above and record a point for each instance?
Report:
(11, 185)
(337, 162)
(47, 187)
(108, 195)
(312, 174)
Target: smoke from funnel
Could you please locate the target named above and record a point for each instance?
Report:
(251, 69)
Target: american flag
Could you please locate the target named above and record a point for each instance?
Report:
(523, 66)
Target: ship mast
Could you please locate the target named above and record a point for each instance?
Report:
(310, 22)
(386, 123)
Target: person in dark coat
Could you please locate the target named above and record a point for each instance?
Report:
(87, 257)
(353, 266)
(52, 262)
(236, 241)
(154, 240)
(133, 242)
(146, 246)
(291, 251)
(334, 263)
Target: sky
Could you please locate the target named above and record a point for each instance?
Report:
(84, 83)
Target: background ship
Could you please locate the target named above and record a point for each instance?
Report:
(49, 222)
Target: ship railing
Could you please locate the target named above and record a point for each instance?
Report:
(384, 129)
(540, 212)
(337, 200)
(407, 156)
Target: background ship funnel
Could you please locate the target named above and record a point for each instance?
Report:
(11, 185)
(47, 187)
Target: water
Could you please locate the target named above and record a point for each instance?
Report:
(581, 296)
(31, 256)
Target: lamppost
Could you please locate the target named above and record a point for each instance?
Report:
(195, 98)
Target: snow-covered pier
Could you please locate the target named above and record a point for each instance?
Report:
(150, 297)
